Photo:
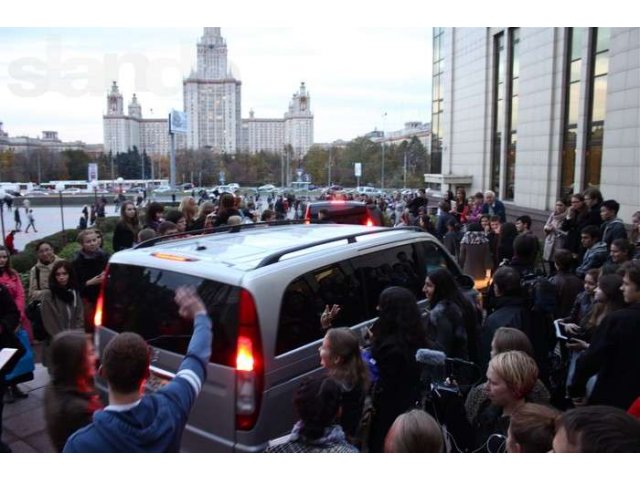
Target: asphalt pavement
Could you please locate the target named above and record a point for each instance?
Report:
(23, 425)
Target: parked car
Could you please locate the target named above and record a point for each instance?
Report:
(163, 189)
(343, 211)
(265, 288)
(268, 188)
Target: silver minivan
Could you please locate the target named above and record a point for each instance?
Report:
(265, 288)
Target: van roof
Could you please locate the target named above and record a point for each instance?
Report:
(250, 249)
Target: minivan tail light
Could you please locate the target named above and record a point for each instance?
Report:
(369, 222)
(97, 316)
(249, 364)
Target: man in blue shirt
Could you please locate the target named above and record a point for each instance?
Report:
(150, 423)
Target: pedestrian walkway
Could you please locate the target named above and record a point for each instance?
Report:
(24, 427)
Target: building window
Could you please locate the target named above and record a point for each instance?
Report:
(512, 130)
(573, 82)
(437, 102)
(598, 72)
(499, 62)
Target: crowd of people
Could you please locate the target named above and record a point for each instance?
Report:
(564, 376)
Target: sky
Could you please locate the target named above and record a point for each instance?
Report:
(58, 78)
(359, 60)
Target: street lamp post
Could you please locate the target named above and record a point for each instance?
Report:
(94, 186)
(384, 117)
(2, 194)
(59, 189)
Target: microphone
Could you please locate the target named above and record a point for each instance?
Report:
(461, 362)
(430, 357)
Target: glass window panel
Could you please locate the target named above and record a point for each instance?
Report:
(603, 39)
(576, 66)
(514, 113)
(602, 64)
(576, 43)
(436, 49)
(515, 86)
(599, 99)
(574, 95)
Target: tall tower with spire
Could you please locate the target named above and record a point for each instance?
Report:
(212, 55)
(212, 98)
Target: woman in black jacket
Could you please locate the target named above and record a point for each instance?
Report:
(70, 398)
(127, 228)
(397, 334)
(9, 322)
(453, 323)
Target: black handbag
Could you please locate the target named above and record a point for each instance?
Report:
(34, 313)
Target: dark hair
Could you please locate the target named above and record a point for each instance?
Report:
(525, 247)
(399, 315)
(563, 259)
(479, 195)
(425, 219)
(593, 193)
(266, 214)
(611, 205)
(600, 429)
(632, 270)
(68, 266)
(507, 339)
(351, 370)
(317, 402)
(610, 285)
(474, 227)
(174, 216)
(125, 362)
(525, 219)
(496, 218)
(68, 352)
(624, 245)
(10, 271)
(591, 230)
(507, 279)
(132, 224)
(532, 426)
(226, 201)
(153, 210)
(444, 206)
(43, 242)
(165, 226)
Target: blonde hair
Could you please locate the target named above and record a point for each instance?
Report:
(518, 370)
(189, 208)
(414, 432)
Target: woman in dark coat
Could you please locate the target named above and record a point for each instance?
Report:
(70, 398)
(397, 334)
(453, 323)
(61, 305)
(127, 228)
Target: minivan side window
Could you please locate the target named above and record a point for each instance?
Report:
(394, 267)
(304, 301)
(435, 258)
(141, 300)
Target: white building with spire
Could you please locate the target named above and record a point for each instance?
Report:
(212, 98)
(275, 134)
(123, 132)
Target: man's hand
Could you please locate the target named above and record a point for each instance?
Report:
(189, 302)
(329, 314)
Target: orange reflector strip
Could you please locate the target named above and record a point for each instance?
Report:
(172, 257)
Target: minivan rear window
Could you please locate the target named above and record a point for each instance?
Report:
(141, 300)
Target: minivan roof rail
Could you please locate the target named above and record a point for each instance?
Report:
(351, 238)
(209, 231)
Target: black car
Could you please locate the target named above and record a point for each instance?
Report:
(345, 211)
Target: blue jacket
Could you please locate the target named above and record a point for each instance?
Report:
(594, 257)
(155, 423)
(612, 230)
(498, 209)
